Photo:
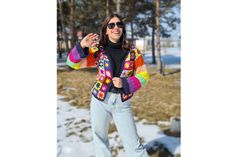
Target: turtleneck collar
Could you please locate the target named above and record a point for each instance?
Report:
(112, 45)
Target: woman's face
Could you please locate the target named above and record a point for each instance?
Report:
(114, 29)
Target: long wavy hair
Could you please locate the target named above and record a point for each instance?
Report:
(104, 38)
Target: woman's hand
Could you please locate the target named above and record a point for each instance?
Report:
(117, 82)
(89, 40)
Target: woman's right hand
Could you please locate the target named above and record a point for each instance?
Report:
(89, 40)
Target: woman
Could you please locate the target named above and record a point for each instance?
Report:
(121, 72)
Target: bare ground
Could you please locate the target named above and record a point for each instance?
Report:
(158, 100)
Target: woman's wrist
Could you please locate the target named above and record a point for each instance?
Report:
(82, 45)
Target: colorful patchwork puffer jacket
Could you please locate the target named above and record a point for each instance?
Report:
(133, 72)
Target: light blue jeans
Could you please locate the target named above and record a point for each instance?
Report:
(121, 112)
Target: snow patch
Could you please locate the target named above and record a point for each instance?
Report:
(74, 136)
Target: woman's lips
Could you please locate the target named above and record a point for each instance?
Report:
(115, 32)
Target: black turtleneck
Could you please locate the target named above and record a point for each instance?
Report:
(117, 55)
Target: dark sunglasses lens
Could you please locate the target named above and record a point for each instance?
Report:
(111, 25)
(120, 24)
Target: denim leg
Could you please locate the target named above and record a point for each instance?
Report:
(100, 118)
(125, 124)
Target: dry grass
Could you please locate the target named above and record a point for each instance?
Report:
(158, 100)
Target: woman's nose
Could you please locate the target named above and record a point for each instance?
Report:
(116, 26)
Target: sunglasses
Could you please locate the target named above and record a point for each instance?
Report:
(112, 25)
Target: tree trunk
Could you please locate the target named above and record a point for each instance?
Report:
(118, 7)
(153, 46)
(107, 8)
(72, 22)
(130, 15)
(153, 37)
(59, 47)
(63, 25)
(159, 63)
(132, 30)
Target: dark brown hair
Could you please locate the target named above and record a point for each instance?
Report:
(104, 38)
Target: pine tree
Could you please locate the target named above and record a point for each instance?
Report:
(163, 7)
(61, 23)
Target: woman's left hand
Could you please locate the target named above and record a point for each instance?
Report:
(117, 82)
